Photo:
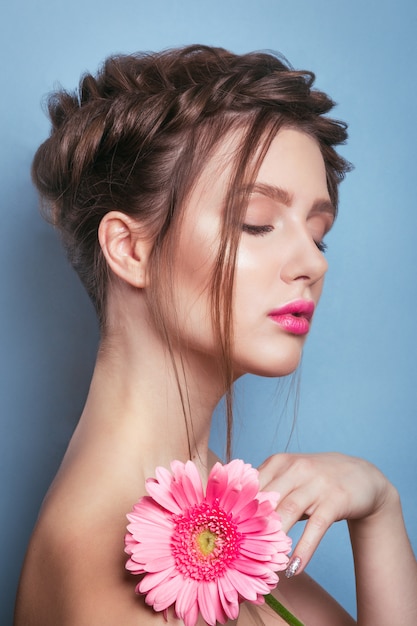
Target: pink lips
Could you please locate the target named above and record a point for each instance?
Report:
(294, 317)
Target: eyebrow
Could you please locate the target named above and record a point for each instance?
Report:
(321, 205)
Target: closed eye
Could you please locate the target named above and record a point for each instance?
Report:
(321, 246)
(257, 230)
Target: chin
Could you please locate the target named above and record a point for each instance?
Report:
(271, 366)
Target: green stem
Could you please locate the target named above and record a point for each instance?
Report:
(282, 611)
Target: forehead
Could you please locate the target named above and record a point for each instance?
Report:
(294, 164)
(215, 175)
(292, 169)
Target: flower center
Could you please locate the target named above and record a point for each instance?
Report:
(205, 541)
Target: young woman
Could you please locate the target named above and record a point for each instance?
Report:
(193, 190)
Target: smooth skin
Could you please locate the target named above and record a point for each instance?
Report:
(133, 421)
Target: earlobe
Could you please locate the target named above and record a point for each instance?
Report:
(125, 247)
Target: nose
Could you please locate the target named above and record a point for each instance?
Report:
(304, 261)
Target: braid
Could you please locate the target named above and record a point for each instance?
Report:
(131, 137)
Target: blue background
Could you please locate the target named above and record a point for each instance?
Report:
(359, 373)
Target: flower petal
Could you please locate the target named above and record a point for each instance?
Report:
(273, 497)
(161, 495)
(187, 598)
(190, 618)
(259, 547)
(164, 477)
(247, 511)
(247, 586)
(195, 480)
(230, 497)
(160, 564)
(207, 601)
(152, 580)
(216, 484)
(254, 525)
(144, 552)
(230, 604)
(245, 493)
(167, 592)
(251, 567)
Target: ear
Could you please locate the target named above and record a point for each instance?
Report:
(125, 247)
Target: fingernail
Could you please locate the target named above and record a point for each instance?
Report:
(293, 566)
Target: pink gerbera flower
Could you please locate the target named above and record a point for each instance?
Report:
(206, 553)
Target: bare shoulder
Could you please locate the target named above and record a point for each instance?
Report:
(74, 575)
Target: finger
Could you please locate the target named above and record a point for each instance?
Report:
(273, 467)
(316, 527)
(286, 472)
(293, 508)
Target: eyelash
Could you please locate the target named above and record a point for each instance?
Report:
(257, 230)
(263, 230)
(321, 246)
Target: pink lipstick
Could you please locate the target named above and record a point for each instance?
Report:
(294, 317)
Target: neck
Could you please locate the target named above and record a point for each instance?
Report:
(151, 406)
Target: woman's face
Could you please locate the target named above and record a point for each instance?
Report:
(280, 266)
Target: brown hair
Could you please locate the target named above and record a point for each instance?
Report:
(136, 137)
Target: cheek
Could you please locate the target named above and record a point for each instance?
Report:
(255, 282)
(258, 271)
(192, 274)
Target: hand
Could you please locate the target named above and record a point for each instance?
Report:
(323, 488)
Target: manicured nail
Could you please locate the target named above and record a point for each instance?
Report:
(293, 566)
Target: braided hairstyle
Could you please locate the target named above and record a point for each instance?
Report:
(136, 137)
